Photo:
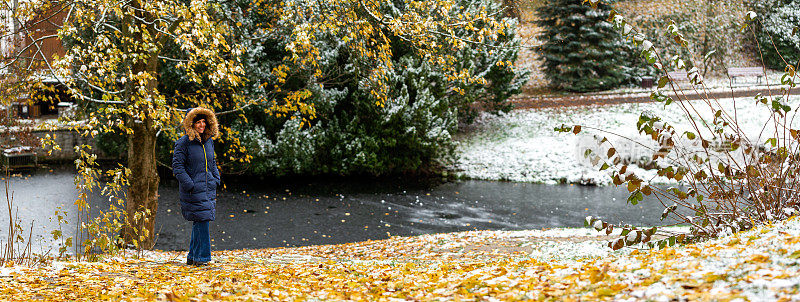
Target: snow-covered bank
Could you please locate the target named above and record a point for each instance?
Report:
(522, 146)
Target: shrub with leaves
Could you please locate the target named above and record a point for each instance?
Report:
(97, 230)
(406, 125)
(776, 31)
(727, 179)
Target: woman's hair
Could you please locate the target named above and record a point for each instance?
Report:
(199, 117)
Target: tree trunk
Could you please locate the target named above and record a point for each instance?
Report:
(707, 31)
(15, 27)
(142, 197)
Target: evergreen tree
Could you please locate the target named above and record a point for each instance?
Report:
(581, 51)
(351, 135)
(776, 35)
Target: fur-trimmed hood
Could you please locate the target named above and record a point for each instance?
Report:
(212, 127)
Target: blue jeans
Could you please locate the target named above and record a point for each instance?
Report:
(200, 244)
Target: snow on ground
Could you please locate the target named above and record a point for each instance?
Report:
(759, 265)
(557, 264)
(522, 145)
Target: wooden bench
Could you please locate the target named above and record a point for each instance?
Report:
(18, 158)
(735, 72)
(678, 75)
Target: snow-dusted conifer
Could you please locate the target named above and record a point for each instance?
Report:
(778, 22)
(409, 131)
(581, 51)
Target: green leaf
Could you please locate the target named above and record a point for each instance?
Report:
(626, 29)
(632, 186)
(650, 55)
(772, 141)
(663, 81)
(562, 128)
(680, 63)
(667, 211)
(750, 16)
(776, 105)
(605, 166)
(638, 38)
(656, 96)
(708, 55)
(787, 79)
(632, 198)
(690, 135)
(600, 226)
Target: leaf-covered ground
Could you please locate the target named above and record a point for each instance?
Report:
(564, 265)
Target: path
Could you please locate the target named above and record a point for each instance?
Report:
(526, 102)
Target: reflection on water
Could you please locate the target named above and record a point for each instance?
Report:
(267, 214)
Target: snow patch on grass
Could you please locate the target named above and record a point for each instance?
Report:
(522, 145)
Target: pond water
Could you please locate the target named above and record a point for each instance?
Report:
(261, 214)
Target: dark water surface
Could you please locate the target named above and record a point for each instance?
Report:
(260, 214)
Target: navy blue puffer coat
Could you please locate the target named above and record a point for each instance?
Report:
(194, 166)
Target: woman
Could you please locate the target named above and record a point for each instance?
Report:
(194, 166)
